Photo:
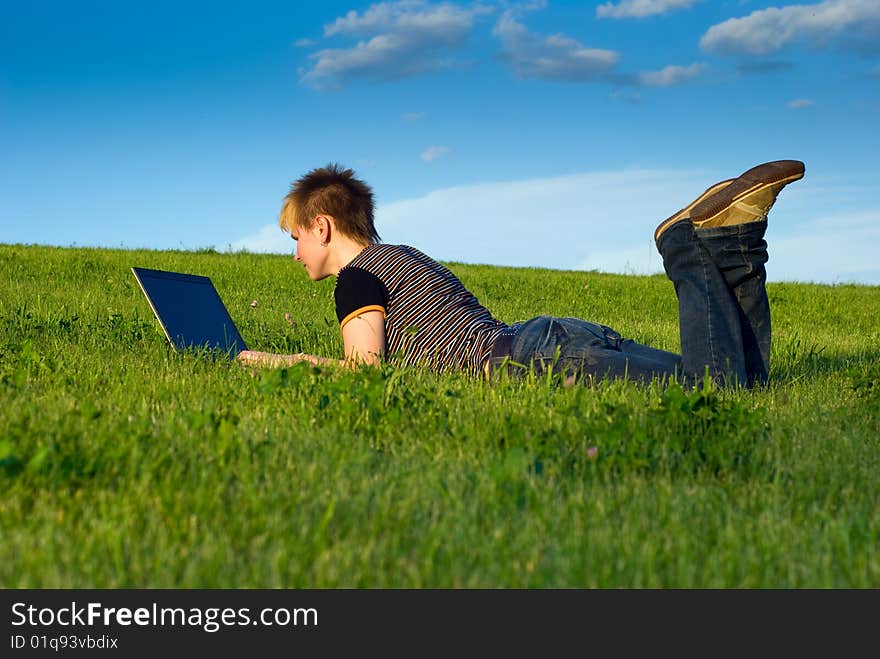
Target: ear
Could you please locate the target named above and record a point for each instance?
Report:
(323, 228)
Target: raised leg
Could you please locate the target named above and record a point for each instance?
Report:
(708, 313)
(740, 253)
(720, 238)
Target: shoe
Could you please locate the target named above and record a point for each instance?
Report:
(685, 212)
(750, 196)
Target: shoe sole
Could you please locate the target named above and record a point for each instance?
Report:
(777, 173)
(685, 212)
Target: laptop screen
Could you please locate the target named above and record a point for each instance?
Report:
(190, 310)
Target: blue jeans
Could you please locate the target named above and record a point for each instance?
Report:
(581, 349)
(724, 318)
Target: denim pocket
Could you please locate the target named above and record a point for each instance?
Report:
(553, 339)
(590, 335)
(537, 339)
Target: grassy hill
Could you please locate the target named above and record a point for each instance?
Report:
(125, 464)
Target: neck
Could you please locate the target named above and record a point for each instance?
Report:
(343, 252)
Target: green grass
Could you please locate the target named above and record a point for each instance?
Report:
(125, 464)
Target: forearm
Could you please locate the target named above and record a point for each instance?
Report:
(273, 360)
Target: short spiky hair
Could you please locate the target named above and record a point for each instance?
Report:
(332, 190)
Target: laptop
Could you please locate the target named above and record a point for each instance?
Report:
(190, 311)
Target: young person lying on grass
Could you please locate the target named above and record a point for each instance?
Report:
(393, 300)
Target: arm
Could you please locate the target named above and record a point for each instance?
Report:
(363, 336)
(273, 360)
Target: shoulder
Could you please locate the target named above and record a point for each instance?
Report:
(355, 277)
(358, 290)
(375, 256)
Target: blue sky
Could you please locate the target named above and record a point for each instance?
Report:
(550, 134)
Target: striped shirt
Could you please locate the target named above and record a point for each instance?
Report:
(431, 319)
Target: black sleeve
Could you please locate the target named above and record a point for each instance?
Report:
(358, 291)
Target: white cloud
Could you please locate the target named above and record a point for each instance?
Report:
(304, 43)
(801, 103)
(556, 57)
(549, 222)
(835, 249)
(269, 239)
(605, 221)
(671, 75)
(442, 21)
(852, 24)
(641, 8)
(399, 39)
(413, 116)
(432, 153)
